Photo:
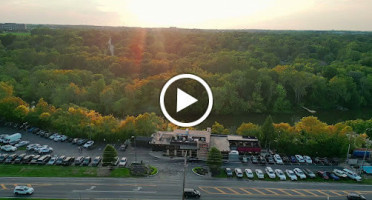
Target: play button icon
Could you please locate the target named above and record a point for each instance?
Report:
(186, 100)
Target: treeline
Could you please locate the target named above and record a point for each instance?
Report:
(308, 136)
(261, 72)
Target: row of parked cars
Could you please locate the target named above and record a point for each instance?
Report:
(294, 174)
(33, 159)
(283, 159)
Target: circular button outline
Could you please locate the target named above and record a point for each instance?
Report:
(184, 76)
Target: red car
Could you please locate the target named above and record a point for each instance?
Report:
(323, 174)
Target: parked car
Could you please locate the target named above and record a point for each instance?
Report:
(123, 147)
(270, 159)
(31, 147)
(191, 193)
(249, 173)
(260, 174)
(79, 160)
(229, 172)
(8, 148)
(317, 160)
(279, 173)
(52, 160)
(10, 158)
(353, 196)
(238, 173)
(291, 175)
(323, 175)
(278, 159)
(63, 138)
(325, 161)
(19, 158)
(293, 159)
(262, 160)
(352, 175)
(22, 143)
(332, 176)
(285, 159)
(81, 142)
(340, 173)
(27, 159)
(88, 144)
(60, 160)
(11, 138)
(34, 159)
(299, 173)
(87, 161)
(3, 157)
(43, 160)
(43, 150)
(75, 140)
(244, 159)
(68, 161)
(53, 136)
(300, 159)
(96, 161)
(309, 173)
(254, 159)
(123, 162)
(308, 160)
(24, 190)
(270, 172)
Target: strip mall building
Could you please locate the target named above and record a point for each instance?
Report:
(196, 143)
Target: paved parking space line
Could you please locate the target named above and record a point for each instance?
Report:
(4, 187)
(296, 191)
(336, 193)
(258, 191)
(235, 192)
(274, 193)
(246, 191)
(323, 192)
(285, 192)
(308, 191)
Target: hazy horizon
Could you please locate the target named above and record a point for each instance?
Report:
(343, 15)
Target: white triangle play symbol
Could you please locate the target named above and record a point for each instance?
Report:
(184, 100)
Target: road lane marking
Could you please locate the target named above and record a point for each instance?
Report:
(336, 193)
(235, 192)
(205, 190)
(4, 187)
(221, 191)
(271, 191)
(301, 194)
(246, 191)
(115, 191)
(258, 191)
(325, 194)
(285, 192)
(29, 185)
(308, 191)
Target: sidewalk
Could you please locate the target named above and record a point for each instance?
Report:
(159, 155)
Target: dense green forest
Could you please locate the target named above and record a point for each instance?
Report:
(68, 80)
(261, 72)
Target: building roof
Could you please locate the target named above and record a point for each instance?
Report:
(220, 142)
(240, 138)
(165, 137)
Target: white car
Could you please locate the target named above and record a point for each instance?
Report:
(45, 150)
(52, 160)
(88, 144)
(308, 159)
(260, 174)
(270, 172)
(123, 162)
(249, 173)
(280, 174)
(53, 136)
(340, 173)
(278, 159)
(299, 173)
(23, 190)
(8, 148)
(37, 147)
(22, 143)
(352, 175)
(57, 138)
(238, 173)
(300, 159)
(291, 175)
(31, 147)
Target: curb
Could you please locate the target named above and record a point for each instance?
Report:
(196, 173)
(157, 171)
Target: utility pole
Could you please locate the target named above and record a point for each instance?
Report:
(184, 177)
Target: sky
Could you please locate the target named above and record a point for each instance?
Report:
(203, 14)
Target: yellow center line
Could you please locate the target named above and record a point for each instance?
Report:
(246, 191)
(4, 187)
(301, 194)
(221, 191)
(272, 191)
(326, 194)
(285, 192)
(308, 191)
(258, 191)
(336, 193)
(235, 192)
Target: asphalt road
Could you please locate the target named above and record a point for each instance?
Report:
(160, 188)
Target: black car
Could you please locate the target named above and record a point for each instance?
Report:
(353, 196)
(96, 161)
(27, 159)
(19, 158)
(87, 161)
(285, 159)
(270, 159)
(191, 193)
(43, 159)
(262, 160)
(68, 161)
(34, 159)
(79, 160)
(60, 160)
(3, 157)
(10, 158)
